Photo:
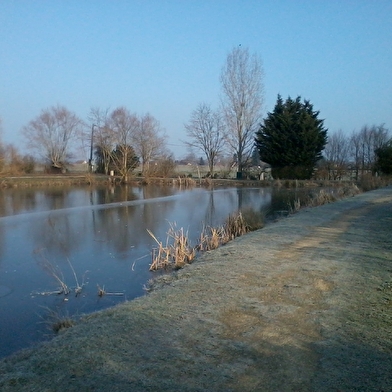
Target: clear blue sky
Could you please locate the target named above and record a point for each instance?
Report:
(165, 57)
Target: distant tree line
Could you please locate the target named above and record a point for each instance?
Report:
(117, 140)
(365, 151)
(292, 139)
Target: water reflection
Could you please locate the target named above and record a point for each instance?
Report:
(102, 231)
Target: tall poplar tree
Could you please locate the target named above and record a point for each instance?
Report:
(242, 102)
(291, 139)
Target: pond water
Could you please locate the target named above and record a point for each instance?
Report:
(98, 237)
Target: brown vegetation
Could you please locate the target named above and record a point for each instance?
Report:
(178, 251)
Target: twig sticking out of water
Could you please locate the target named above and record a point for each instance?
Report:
(102, 292)
(52, 270)
(56, 273)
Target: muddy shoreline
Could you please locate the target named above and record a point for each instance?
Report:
(304, 304)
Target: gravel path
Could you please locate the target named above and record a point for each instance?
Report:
(304, 304)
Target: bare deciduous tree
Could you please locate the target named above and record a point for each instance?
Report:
(363, 145)
(149, 142)
(51, 134)
(206, 132)
(336, 154)
(124, 126)
(242, 87)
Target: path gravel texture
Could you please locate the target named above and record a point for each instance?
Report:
(304, 304)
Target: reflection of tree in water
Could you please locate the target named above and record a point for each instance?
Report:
(210, 211)
(217, 205)
(153, 191)
(252, 198)
(281, 199)
(125, 227)
(56, 198)
(115, 226)
(240, 196)
(59, 234)
(14, 201)
(153, 215)
(116, 194)
(253, 201)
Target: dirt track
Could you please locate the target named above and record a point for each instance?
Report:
(304, 304)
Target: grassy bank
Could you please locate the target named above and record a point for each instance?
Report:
(47, 180)
(366, 183)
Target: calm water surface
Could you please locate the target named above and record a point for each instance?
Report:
(102, 234)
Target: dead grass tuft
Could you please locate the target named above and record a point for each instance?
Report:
(57, 321)
(61, 324)
(235, 226)
(176, 253)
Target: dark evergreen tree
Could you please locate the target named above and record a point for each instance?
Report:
(291, 139)
(384, 158)
(255, 157)
(123, 159)
(99, 159)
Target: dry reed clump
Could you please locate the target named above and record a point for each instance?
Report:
(320, 198)
(295, 207)
(324, 197)
(368, 182)
(211, 238)
(178, 252)
(347, 191)
(235, 226)
(316, 199)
